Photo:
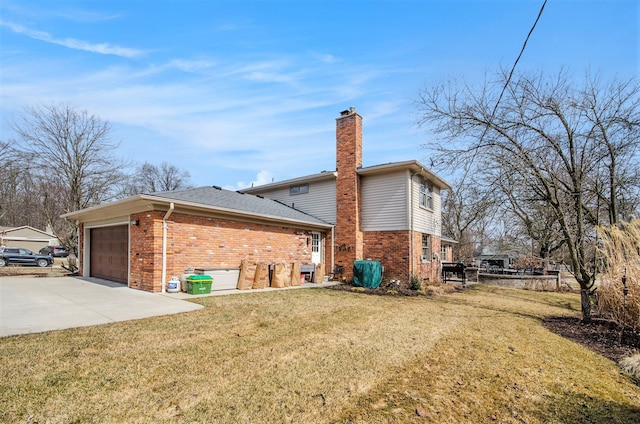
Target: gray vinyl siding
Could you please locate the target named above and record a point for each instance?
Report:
(319, 202)
(426, 220)
(384, 202)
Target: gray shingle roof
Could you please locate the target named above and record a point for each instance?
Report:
(217, 197)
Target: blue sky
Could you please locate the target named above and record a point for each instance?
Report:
(241, 92)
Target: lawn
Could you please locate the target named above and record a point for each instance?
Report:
(321, 356)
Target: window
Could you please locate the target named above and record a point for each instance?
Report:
(426, 247)
(426, 194)
(299, 189)
(443, 253)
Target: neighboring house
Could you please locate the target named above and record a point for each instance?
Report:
(27, 237)
(390, 213)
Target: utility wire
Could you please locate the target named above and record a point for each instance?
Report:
(504, 88)
(506, 84)
(513, 68)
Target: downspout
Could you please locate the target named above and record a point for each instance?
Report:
(164, 245)
(333, 248)
(411, 224)
(80, 256)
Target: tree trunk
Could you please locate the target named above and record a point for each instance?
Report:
(585, 300)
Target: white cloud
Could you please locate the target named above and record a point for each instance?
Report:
(263, 177)
(193, 66)
(325, 58)
(72, 43)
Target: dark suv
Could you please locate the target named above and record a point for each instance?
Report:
(55, 251)
(20, 256)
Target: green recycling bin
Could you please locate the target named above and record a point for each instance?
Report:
(199, 284)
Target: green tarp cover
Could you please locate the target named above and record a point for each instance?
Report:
(367, 274)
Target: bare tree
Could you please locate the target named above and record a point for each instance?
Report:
(72, 160)
(551, 136)
(465, 215)
(18, 202)
(536, 223)
(150, 178)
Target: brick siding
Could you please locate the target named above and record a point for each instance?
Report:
(349, 238)
(199, 241)
(428, 270)
(391, 249)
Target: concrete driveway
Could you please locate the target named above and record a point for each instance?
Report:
(36, 304)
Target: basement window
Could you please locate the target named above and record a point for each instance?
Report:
(299, 189)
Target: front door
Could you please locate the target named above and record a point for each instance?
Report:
(316, 248)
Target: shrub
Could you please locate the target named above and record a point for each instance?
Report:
(631, 365)
(415, 283)
(621, 249)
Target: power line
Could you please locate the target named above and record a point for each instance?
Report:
(506, 84)
(513, 68)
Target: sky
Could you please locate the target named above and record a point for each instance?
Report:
(247, 92)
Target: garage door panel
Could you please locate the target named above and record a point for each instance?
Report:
(109, 253)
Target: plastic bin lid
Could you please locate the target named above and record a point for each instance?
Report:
(199, 278)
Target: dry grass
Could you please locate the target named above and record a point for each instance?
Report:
(621, 248)
(18, 270)
(321, 356)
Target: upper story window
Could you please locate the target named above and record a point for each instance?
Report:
(426, 194)
(299, 189)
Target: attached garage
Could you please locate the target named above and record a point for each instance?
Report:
(109, 258)
(146, 240)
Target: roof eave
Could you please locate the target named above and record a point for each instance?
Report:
(324, 175)
(145, 202)
(412, 165)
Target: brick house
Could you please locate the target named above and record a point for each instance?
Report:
(390, 213)
(144, 240)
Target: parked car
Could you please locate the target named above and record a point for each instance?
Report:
(20, 256)
(55, 251)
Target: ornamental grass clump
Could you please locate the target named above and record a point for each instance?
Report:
(619, 289)
(631, 365)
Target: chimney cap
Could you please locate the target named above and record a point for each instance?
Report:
(351, 111)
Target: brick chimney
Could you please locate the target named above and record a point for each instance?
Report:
(348, 235)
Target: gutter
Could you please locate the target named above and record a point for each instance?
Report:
(164, 245)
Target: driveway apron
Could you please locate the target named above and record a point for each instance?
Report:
(36, 304)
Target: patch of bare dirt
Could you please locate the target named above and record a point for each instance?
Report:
(601, 336)
(392, 289)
